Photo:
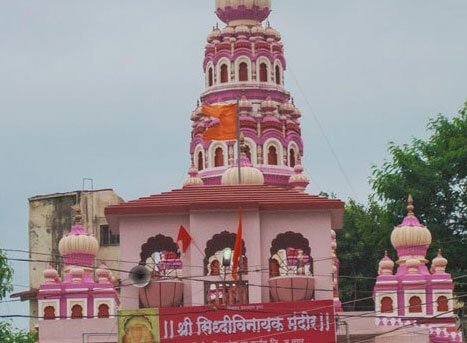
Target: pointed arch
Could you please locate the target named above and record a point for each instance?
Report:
(77, 312)
(103, 311)
(442, 304)
(49, 313)
(415, 305)
(387, 305)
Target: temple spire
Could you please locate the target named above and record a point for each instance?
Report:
(410, 206)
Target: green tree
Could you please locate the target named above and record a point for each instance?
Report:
(435, 172)
(361, 244)
(7, 333)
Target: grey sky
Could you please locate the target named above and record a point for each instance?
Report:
(105, 89)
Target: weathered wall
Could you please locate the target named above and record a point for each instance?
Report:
(51, 217)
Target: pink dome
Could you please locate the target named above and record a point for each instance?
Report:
(78, 247)
(243, 11)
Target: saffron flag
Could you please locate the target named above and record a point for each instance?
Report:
(226, 128)
(238, 247)
(183, 239)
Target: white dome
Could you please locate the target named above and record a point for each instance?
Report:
(193, 178)
(78, 242)
(250, 176)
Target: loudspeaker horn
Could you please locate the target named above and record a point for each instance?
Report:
(140, 276)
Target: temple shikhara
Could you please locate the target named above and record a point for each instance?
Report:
(241, 252)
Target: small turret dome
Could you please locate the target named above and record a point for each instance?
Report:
(242, 31)
(439, 263)
(268, 105)
(287, 108)
(298, 180)
(193, 179)
(386, 265)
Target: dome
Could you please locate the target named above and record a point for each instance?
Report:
(50, 275)
(411, 237)
(298, 180)
(439, 263)
(386, 265)
(272, 33)
(78, 247)
(249, 12)
(268, 105)
(249, 174)
(103, 273)
(193, 179)
(245, 104)
(287, 108)
(242, 31)
(258, 31)
(228, 31)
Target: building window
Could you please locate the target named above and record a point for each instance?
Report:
(103, 311)
(49, 313)
(224, 73)
(107, 238)
(210, 77)
(200, 161)
(386, 305)
(415, 305)
(278, 75)
(442, 303)
(272, 156)
(243, 72)
(263, 72)
(219, 157)
(292, 158)
(77, 312)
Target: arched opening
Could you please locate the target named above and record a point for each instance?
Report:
(386, 305)
(224, 292)
(292, 158)
(243, 72)
(290, 254)
(77, 312)
(224, 73)
(103, 311)
(272, 156)
(200, 161)
(278, 75)
(219, 157)
(263, 72)
(415, 305)
(210, 77)
(49, 313)
(442, 304)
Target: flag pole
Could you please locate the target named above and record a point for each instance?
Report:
(238, 144)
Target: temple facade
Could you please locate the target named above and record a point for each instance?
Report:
(175, 256)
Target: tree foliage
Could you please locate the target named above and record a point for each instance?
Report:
(10, 335)
(7, 333)
(6, 275)
(434, 171)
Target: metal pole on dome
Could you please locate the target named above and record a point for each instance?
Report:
(238, 144)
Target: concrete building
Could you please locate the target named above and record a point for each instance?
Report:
(50, 219)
